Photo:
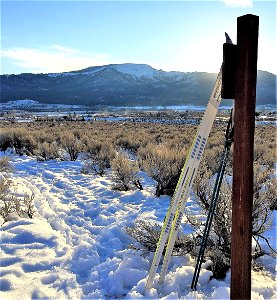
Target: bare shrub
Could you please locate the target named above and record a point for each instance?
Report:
(131, 143)
(202, 183)
(164, 165)
(212, 158)
(47, 151)
(265, 145)
(10, 204)
(29, 208)
(6, 141)
(219, 241)
(5, 164)
(271, 193)
(147, 233)
(263, 201)
(46, 135)
(23, 142)
(19, 139)
(264, 155)
(72, 145)
(6, 200)
(99, 156)
(124, 173)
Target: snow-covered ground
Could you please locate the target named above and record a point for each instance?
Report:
(32, 104)
(29, 104)
(76, 247)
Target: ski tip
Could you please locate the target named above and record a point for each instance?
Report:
(228, 40)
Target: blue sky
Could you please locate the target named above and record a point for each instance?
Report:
(57, 36)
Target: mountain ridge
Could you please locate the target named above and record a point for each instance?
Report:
(123, 84)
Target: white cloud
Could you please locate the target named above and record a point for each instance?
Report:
(52, 58)
(63, 49)
(236, 3)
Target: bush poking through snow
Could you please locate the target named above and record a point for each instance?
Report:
(6, 140)
(218, 248)
(6, 200)
(124, 173)
(72, 145)
(99, 157)
(131, 143)
(47, 151)
(29, 208)
(5, 165)
(11, 205)
(219, 242)
(147, 233)
(164, 165)
(20, 139)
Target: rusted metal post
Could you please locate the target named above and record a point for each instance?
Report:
(244, 119)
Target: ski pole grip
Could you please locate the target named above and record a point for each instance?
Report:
(229, 71)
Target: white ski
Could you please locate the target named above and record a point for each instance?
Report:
(174, 214)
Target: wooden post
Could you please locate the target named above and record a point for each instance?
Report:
(244, 119)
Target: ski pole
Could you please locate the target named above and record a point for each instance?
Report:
(209, 221)
(218, 182)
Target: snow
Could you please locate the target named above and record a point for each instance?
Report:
(32, 104)
(221, 293)
(76, 247)
(64, 74)
(33, 255)
(137, 70)
(22, 103)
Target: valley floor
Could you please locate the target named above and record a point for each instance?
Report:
(76, 246)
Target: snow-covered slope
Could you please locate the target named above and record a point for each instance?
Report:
(76, 247)
(27, 104)
(22, 103)
(135, 70)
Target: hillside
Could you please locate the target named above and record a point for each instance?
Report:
(123, 85)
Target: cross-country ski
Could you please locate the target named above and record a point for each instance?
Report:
(174, 215)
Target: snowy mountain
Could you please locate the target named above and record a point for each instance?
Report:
(135, 70)
(123, 85)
